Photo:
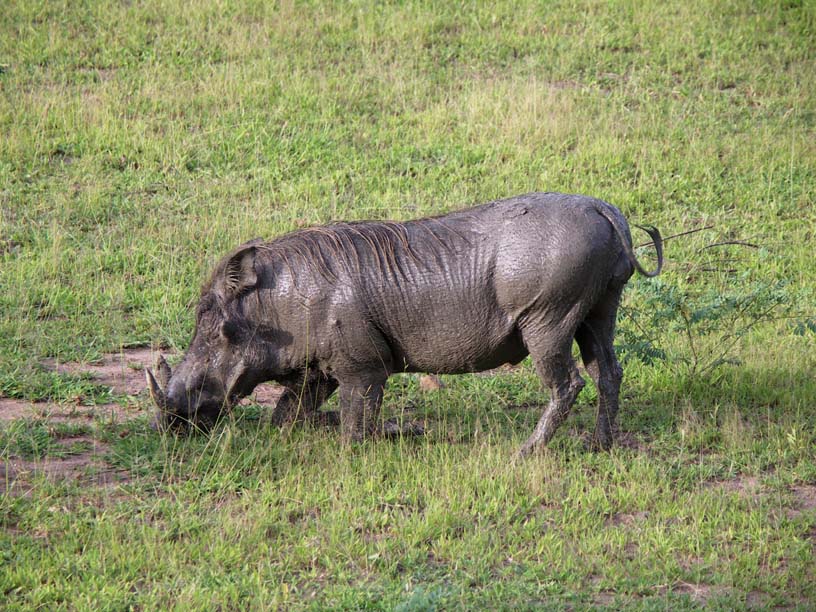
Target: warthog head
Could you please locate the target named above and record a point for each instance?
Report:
(224, 360)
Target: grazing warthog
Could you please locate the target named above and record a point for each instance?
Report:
(344, 306)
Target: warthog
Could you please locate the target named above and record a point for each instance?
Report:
(344, 306)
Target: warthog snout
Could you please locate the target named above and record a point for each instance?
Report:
(181, 405)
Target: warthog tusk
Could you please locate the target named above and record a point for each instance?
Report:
(162, 370)
(239, 369)
(156, 392)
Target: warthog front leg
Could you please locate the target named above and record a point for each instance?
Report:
(302, 399)
(360, 402)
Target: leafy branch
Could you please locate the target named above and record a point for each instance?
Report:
(696, 327)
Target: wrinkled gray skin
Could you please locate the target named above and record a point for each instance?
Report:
(342, 307)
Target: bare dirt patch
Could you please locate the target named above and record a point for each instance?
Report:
(265, 395)
(11, 409)
(430, 382)
(631, 441)
(756, 600)
(87, 468)
(806, 496)
(701, 593)
(805, 501)
(123, 373)
(602, 597)
(627, 519)
(744, 486)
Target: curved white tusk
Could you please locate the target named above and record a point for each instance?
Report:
(239, 369)
(163, 372)
(156, 393)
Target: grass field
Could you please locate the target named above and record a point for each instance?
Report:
(139, 141)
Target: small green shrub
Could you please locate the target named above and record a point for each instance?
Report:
(696, 329)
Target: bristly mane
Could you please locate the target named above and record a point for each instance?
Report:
(330, 250)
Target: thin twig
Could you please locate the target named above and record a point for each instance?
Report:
(667, 238)
(628, 312)
(730, 260)
(737, 336)
(725, 242)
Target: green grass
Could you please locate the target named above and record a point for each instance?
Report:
(140, 141)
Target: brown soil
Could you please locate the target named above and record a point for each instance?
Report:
(11, 409)
(430, 382)
(700, 592)
(123, 372)
(805, 501)
(629, 440)
(745, 486)
(627, 519)
(806, 496)
(87, 468)
(266, 395)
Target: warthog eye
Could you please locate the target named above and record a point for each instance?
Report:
(233, 331)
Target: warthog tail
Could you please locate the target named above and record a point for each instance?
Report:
(653, 232)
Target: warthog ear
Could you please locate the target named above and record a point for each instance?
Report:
(239, 271)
